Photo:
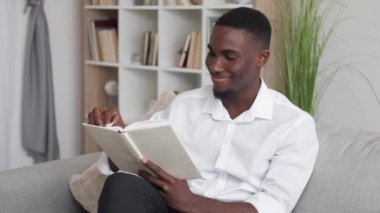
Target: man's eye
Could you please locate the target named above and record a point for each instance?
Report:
(230, 57)
(210, 53)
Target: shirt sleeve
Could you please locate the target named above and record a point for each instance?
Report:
(290, 169)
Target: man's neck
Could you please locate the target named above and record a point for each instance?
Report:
(238, 103)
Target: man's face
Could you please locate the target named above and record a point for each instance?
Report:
(234, 61)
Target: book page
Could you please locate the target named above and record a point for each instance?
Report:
(158, 142)
(116, 148)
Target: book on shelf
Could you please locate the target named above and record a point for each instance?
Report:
(104, 2)
(145, 48)
(149, 48)
(155, 49)
(194, 54)
(152, 44)
(153, 140)
(184, 52)
(103, 39)
(92, 38)
(198, 52)
(190, 54)
(108, 44)
(145, 2)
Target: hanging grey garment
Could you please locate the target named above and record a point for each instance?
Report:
(39, 136)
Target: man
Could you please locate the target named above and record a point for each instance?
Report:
(255, 149)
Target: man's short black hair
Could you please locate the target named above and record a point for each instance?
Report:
(248, 19)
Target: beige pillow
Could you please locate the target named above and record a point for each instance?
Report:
(162, 102)
(86, 187)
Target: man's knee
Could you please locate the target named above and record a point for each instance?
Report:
(130, 192)
(123, 181)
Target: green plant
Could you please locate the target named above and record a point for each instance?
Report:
(304, 41)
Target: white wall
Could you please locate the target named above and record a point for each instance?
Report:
(355, 45)
(65, 38)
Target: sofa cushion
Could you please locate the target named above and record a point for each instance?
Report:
(346, 177)
(42, 187)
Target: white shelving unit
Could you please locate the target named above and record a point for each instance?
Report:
(139, 84)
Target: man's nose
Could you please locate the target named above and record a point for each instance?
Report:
(215, 65)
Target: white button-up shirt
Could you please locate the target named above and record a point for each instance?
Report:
(264, 156)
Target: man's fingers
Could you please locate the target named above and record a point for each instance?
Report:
(158, 171)
(154, 180)
(90, 119)
(101, 116)
(97, 116)
(109, 116)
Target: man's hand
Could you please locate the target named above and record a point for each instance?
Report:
(101, 116)
(178, 196)
(176, 192)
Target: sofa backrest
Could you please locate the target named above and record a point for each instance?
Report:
(346, 177)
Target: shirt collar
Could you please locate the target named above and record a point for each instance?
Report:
(261, 108)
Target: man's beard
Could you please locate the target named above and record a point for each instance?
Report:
(221, 95)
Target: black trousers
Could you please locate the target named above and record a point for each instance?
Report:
(126, 193)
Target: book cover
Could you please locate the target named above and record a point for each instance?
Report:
(191, 53)
(154, 140)
(92, 37)
(198, 52)
(155, 50)
(185, 51)
(108, 23)
(145, 48)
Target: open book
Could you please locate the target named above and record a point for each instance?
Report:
(154, 140)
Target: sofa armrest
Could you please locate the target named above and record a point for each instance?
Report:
(42, 187)
(346, 174)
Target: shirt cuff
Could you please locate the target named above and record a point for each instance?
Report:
(103, 165)
(265, 203)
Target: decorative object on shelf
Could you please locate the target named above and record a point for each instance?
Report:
(111, 90)
(304, 37)
(136, 58)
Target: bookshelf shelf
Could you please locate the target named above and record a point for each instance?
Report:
(101, 7)
(102, 63)
(140, 67)
(139, 85)
(182, 70)
(149, 7)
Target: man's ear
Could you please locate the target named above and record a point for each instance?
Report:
(262, 58)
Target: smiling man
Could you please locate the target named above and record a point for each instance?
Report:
(254, 148)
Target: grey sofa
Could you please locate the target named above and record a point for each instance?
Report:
(346, 179)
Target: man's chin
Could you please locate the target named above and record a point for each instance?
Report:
(221, 94)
